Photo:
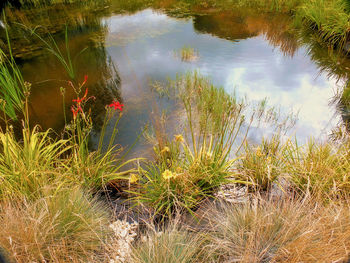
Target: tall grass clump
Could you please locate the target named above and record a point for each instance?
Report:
(320, 169)
(330, 19)
(29, 164)
(198, 160)
(325, 239)
(13, 87)
(187, 54)
(64, 225)
(253, 232)
(171, 245)
(213, 128)
(279, 231)
(262, 165)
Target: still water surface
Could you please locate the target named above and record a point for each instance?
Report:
(251, 56)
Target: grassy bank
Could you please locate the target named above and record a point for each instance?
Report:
(50, 214)
(53, 188)
(328, 19)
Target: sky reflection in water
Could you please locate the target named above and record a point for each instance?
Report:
(143, 44)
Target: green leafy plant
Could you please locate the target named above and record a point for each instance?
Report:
(26, 166)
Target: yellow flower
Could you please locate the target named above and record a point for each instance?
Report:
(179, 138)
(167, 174)
(269, 159)
(165, 150)
(133, 178)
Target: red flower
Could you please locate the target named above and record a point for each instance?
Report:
(75, 111)
(116, 105)
(80, 100)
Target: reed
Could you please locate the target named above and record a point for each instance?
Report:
(187, 54)
(13, 90)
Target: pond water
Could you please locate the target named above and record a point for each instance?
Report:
(253, 56)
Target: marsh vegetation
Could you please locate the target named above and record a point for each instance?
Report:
(206, 189)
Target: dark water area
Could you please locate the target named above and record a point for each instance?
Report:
(252, 55)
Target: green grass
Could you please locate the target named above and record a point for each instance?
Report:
(320, 169)
(330, 18)
(262, 165)
(192, 165)
(45, 3)
(27, 166)
(13, 87)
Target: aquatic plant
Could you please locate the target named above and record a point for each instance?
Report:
(186, 170)
(262, 165)
(51, 46)
(187, 54)
(13, 89)
(94, 170)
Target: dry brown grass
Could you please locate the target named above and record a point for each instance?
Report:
(173, 244)
(283, 231)
(63, 226)
(327, 239)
